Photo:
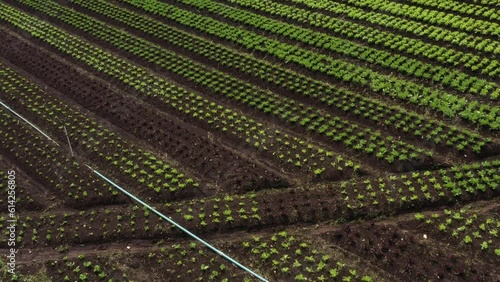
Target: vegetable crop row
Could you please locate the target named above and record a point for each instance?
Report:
(365, 198)
(190, 261)
(294, 256)
(431, 16)
(418, 189)
(82, 269)
(111, 223)
(466, 227)
(461, 7)
(25, 199)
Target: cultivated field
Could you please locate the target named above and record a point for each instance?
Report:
(309, 140)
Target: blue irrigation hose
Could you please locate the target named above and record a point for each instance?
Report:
(25, 120)
(220, 253)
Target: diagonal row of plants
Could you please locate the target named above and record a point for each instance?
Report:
(397, 251)
(407, 66)
(288, 110)
(467, 227)
(137, 167)
(450, 105)
(373, 111)
(467, 24)
(289, 151)
(420, 188)
(285, 255)
(487, 2)
(84, 268)
(357, 198)
(476, 44)
(31, 195)
(187, 261)
(262, 209)
(208, 160)
(461, 7)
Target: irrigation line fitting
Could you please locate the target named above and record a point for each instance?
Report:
(28, 122)
(217, 251)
